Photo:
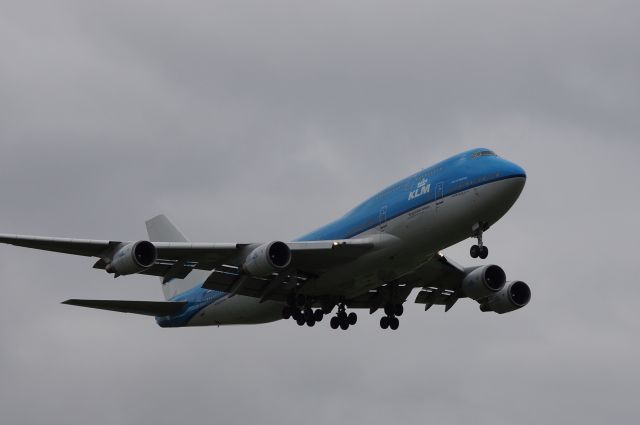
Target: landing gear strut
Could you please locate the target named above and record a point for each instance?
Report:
(479, 250)
(343, 320)
(390, 319)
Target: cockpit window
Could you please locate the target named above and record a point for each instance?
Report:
(483, 153)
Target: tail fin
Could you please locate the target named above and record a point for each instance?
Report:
(160, 229)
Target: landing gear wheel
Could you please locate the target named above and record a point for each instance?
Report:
(296, 314)
(334, 322)
(475, 251)
(318, 315)
(287, 312)
(300, 321)
(389, 309)
(484, 252)
(352, 318)
(394, 323)
(384, 322)
(308, 314)
(399, 310)
(344, 325)
(311, 322)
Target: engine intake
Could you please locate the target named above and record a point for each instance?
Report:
(513, 296)
(133, 258)
(483, 282)
(267, 258)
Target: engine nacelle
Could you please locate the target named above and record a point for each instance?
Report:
(483, 282)
(267, 258)
(132, 258)
(513, 296)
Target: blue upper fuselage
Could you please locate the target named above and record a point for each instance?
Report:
(460, 172)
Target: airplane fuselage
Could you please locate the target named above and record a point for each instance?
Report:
(411, 221)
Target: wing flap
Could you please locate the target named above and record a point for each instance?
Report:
(147, 308)
(236, 284)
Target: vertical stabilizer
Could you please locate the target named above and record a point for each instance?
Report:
(160, 229)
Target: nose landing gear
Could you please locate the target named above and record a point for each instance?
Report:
(479, 250)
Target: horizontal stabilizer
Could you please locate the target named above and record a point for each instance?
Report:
(148, 308)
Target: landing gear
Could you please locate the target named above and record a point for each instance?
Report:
(390, 319)
(479, 250)
(343, 320)
(384, 322)
(318, 315)
(297, 309)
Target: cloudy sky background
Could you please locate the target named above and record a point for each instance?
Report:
(251, 121)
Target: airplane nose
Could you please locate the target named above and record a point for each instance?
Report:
(514, 170)
(516, 179)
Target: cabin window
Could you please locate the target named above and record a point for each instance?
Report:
(483, 153)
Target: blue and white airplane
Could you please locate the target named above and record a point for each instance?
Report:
(371, 258)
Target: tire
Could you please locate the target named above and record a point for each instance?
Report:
(318, 315)
(484, 252)
(394, 323)
(475, 251)
(311, 322)
(384, 322)
(399, 310)
(353, 318)
(334, 322)
(296, 314)
(344, 325)
(300, 321)
(388, 309)
(308, 314)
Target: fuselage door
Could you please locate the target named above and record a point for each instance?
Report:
(439, 195)
(383, 218)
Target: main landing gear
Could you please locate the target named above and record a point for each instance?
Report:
(390, 319)
(343, 320)
(305, 316)
(479, 250)
(298, 310)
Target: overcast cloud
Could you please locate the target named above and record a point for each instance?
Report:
(254, 121)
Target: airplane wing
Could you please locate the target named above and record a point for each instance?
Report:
(147, 308)
(441, 282)
(177, 259)
(440, 279)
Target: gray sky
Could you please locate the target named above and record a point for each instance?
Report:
(253, 120)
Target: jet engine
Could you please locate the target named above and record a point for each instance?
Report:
(513, 296)
(132, 258)
(267, 258)
(483, 282)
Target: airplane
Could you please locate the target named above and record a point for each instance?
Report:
(371, 258)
